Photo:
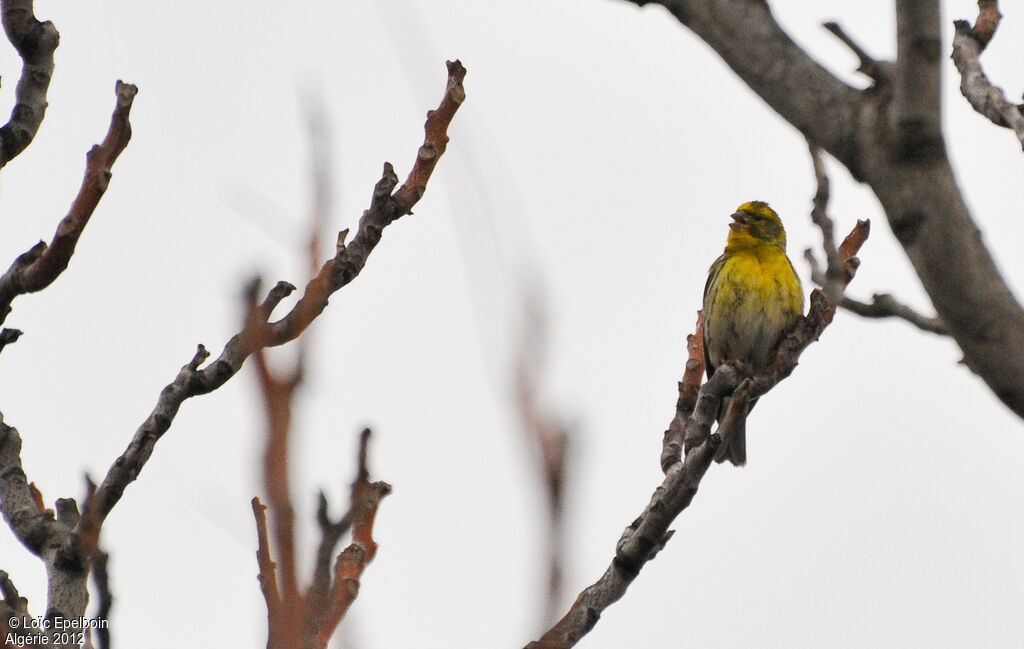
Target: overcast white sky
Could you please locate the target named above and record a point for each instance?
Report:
(600, 150)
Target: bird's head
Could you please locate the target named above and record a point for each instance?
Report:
(755, 222)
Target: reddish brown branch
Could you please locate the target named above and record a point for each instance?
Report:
(987, 23)
(330, 534)
(352, 561)
(307, 619)
(673, 443)
(84, 545)
(278, 395)
(436, 141)
(37, 496)
(548, 440)
(851, 245)
(311, 620)
(41, 265)
(647, 535)
(35, 42)
(267, 572)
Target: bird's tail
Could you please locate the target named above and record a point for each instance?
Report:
(735, 450)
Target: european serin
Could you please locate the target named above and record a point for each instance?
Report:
(752, 298)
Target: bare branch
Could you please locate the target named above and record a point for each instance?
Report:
(278, 395)
(881, 305)
(841, 261)
(35, 42)
(268, 571)
(41, 265)
(833, 277)
(986, 99)
(837, 274)
(345, 266)
(330, 534)
(547, 437)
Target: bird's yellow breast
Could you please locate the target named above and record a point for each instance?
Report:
(753, 298)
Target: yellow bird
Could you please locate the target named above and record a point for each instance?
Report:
(753, 297)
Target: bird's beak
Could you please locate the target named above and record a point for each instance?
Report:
(739, 220)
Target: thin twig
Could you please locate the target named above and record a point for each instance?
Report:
(267, 572)
(886, 306)
(837, 274)
(833, 280)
